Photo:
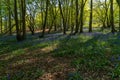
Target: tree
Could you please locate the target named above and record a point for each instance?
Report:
(102, 13)
(23, 5)
(56, 15)
(72, 21)
(53, 13)
(18, 36)
(20, 28)
(118, 1)
(112, 16)
(9, 9)
(32, 8)
(1, 18)
(83, 2)
(77, 14)
(106, 14)
(91, 12)
(63, 18)
(45, 20)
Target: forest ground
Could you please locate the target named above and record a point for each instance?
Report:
(88, 56)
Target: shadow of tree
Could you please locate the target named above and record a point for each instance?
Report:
(31, 60)
(27, 60)
(90, 54)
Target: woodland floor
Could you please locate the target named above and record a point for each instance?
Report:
(88, 56)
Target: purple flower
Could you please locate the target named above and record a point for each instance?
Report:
(8, 76)
(118, 37)
(112, 58)
(118, 58)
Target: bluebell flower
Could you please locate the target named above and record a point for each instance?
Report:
(8, 76)
(112, 58)
(118, 58)
(118, 37)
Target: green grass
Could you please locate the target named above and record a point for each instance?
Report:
(92, 57)
(14, 54)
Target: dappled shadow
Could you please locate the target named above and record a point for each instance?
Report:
(91, 53)
(9, 43)
(52, 61)
(33, 63)
(29, 59)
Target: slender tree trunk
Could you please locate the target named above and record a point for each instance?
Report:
(63, 18)
(119, 18)
(23, 18)
(5, 23)
(42, 13)
(112, 17)
(33, 28)
(55, 17)
(107, 20)
(9, 9)
(81, 17)
(20, 20)
(0, 19)
(1, 24)
(51, 26)
(45, 21)
(106, 13)
(31, 24)
(81, 21)
(18, 35)
(90, 22)
(10, 29)
(118, 1)
(77, 13)
(71, 17)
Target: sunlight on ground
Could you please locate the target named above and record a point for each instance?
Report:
(80, 56)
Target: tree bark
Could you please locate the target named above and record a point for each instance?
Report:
(23, 5)
(63, 19)
(119, 18)
(18, 35)
(45, 21)
(9, 9)
(1, 24)
(77, 13)
(112, 17)
(90, 22)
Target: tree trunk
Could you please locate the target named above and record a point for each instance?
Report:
(63, 19)
(1, 24)
(90, 22)
(45, 21)
(81, 17)
(18, 35)
(119, 18)
(9, 9)
(77, 13)
(112, 17)
(23, 5)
